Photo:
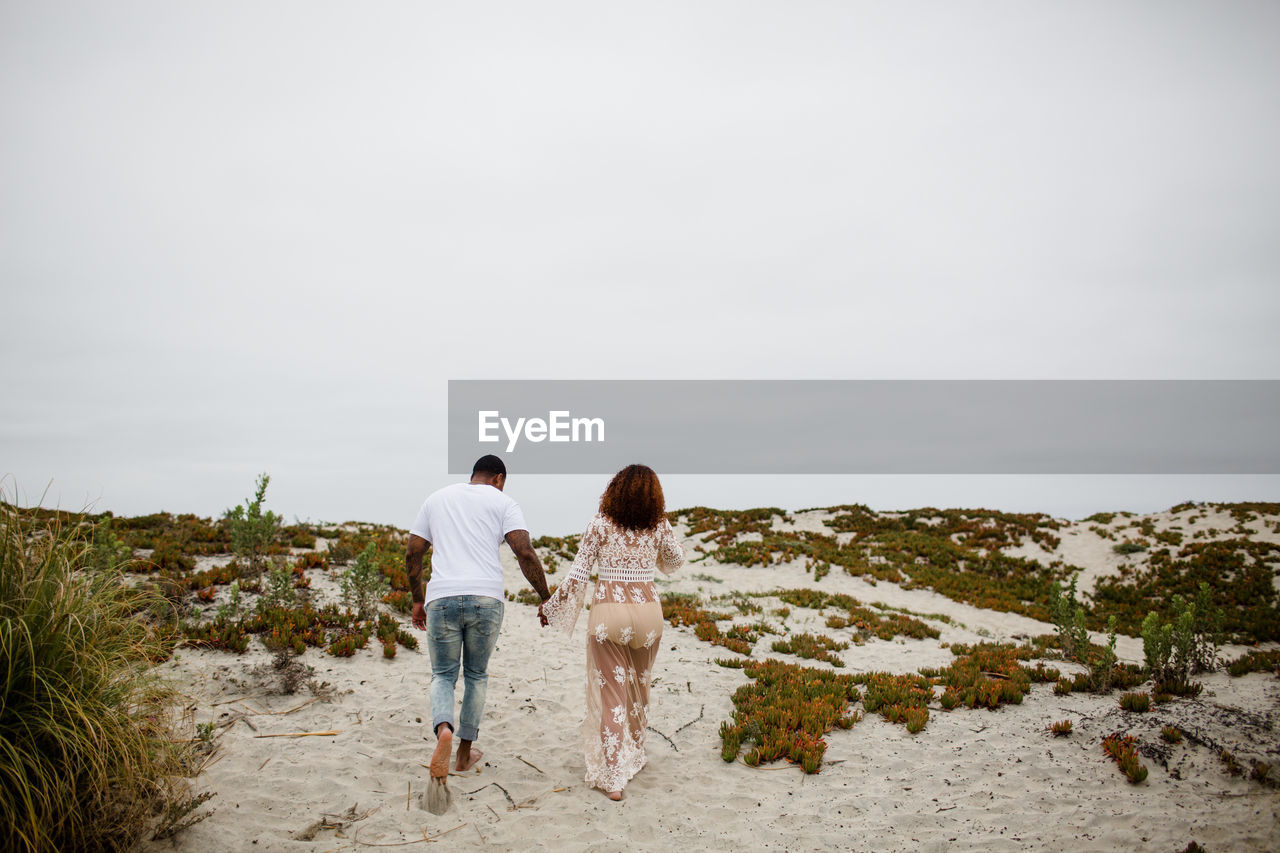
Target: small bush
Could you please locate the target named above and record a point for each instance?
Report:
(231, 610)
(251, 530)
(363, 585)
(278, 590)
(1171, 734)
(1069, 618)
(1188, 644)
(1061, 728)
(1136, 702)
(1128, 548)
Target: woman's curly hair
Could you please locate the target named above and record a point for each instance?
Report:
(633, 499)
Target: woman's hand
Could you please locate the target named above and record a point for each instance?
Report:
(542, 617)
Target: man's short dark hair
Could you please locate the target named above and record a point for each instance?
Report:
(491, 465)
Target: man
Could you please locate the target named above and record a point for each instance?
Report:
(465, 525)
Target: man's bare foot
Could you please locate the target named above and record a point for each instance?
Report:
(467, 758)
(444, 747)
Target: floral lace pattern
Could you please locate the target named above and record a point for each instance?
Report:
(625, 560)
(623, 636)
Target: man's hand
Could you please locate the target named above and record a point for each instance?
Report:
(420, 616)
(542, 617)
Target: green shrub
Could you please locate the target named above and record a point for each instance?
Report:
(231, 610)
(1137, 702)
(108, 552)
(1188, 644)
(363, 584)
(252, 530)
(1128, 548)
(1069, 619)
(1104, 674)
(87, 757)
(278, 590)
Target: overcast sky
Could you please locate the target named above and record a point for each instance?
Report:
(240, 237)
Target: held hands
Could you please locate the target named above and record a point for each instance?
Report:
(420, 616)
(542, 617)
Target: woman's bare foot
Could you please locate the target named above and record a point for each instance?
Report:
(444, 748)
(613, 795)
(468, 757)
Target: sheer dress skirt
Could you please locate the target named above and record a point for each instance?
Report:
(623, 635)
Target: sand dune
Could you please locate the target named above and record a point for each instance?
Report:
(973, 779)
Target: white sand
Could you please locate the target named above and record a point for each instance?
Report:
(971, 780)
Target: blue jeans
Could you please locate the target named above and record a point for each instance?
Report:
(461, 627)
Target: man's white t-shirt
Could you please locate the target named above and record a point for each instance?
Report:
(466, 523)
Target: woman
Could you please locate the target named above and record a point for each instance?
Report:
(626, 540)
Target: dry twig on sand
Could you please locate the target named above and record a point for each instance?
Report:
(664, 737)
(425, 839)
(694, 720)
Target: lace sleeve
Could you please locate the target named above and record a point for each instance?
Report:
(670, 554)
(563, 607)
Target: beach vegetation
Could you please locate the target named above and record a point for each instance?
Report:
(363, 585)
(1185, 645)
(1124, 750)
(1137, 702)
(853, 614)
(340, 551)
(251, 530)
(88, 754)
(1239, 571)
(1069, 620)
(683, 609)
(812, 646)
(957, 556)
(897, 698)
(230, 610)
(1255, 661)
(784, 712)
(1062, 728)
(278, 589)
(1171, 734)
(986, 675)
(554, 550)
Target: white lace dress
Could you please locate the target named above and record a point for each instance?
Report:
(623, 635)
